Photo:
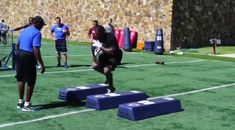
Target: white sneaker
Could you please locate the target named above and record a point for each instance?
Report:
(108, 90)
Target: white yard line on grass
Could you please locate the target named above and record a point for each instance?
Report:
(130, 66)
(195, 91)
(183, 62)
(227, 55)
(84, 55)
(45, 118)
(88, 110)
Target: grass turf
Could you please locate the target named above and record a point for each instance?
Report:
(203, 111)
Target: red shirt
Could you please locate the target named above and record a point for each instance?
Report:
(92, 33)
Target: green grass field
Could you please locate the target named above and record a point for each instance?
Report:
(182, 77)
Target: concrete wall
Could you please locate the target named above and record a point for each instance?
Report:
(143, 16)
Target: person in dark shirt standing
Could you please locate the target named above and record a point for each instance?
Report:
(109, 28)
(24, 26)
(106, 52)
(27, 55)
(60, 32)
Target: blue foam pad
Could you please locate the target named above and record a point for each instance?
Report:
(112, 100)
(149, 45)
(79, 93)
(149, 108)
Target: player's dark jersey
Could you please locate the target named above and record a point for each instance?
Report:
(115, 56)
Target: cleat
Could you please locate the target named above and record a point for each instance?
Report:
(66, 66)
(58, 65)
(108, 90)
(20, 105)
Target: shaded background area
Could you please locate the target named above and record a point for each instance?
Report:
(194, 22)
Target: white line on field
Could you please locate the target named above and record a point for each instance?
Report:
(130, 66)
(195, 91)
(183, 62)
(45, 118)
(126, 53)
(88, 110)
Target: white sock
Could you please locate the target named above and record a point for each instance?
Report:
(26, 103)
(21, 100)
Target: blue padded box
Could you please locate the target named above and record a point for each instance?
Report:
(112, 100)
(149, 108)
(149, 45)
(79, 93)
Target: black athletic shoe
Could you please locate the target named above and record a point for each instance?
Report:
(28, 108)
(105, 82)
(20, 105)
(58, 65)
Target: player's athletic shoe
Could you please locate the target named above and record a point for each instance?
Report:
(20, 105)
(111, 90)
(28, 108)
(58, 65)
(66, 66)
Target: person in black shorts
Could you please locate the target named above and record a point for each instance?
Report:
(60, 32)
(106, 55)
(27, 55)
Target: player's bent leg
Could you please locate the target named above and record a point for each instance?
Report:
(97, 68)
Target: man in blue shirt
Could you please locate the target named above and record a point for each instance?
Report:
(59, 32)
(27, 55)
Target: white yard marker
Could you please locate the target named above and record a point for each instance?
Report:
(130, 66)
